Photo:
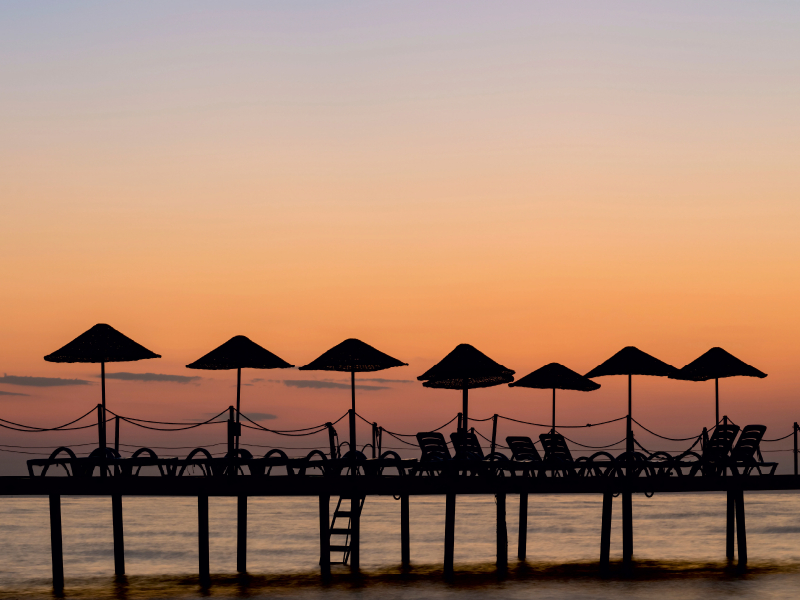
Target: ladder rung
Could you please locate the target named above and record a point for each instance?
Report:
(338, 562)
(342, 513)
(340, 531)
(340, 548)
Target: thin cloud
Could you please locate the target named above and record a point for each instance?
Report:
(41, 381)
(2, 393)
(259, 416)
(153, 377)
(379, 380)
(314, 384)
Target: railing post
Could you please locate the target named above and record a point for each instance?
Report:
(374, 438)
(459, 422)
(494, 433)
(331, 439)
(380, 441)
(795, 447)
(231, 432)
(116, 435)
(101, 430)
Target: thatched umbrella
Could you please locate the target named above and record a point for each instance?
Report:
(464, 368)
(353, 356)
(239, 352)
(717, 364)
(556, 377)
(632, 361)
(101, 344)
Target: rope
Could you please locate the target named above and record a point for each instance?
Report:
(593, 447)
(490, 441)
(561, 426)
(32, 428)
(780, 438)
(290, 431)
(394, 433)
(46, 430)
(480, 420)
(131, 419)
(664, 437)
(260, 428)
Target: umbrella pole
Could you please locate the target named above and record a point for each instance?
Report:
(353, 447)
(554, 410)
(103, 418)
(464, 408)
(238, 402)
(716, 395)
(629, 433)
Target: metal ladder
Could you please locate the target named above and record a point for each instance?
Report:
(345, 531)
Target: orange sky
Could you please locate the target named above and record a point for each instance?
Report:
(546, 185)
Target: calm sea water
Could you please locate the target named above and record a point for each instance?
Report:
(679, 546)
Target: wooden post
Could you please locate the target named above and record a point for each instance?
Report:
(522, 548)
(627, 528)
(241, 535)
(458, 426)
(405, 531)
(324, 536)
(729, 528)
(494, 434)
(119, 539)
(116, 435)
(355, 534)
(55, 543)
(202, 539)
(331, 439)
(102, 409)
(101, 434)
(449, 533)
(231, 437)
(605, 532)
(741, 530)
(238, 404)
(502, 532)
(465, 407)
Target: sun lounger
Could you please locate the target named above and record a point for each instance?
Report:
(746, 454)
(559, 459)
(469, 454)
(525, 454)
(436, 456)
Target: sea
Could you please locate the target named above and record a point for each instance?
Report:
(679, 546)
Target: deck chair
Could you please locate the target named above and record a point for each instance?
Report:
(746, 454)
(560, 462)
(435, 453)
(716, 452)
(525, 453)
(468, 450)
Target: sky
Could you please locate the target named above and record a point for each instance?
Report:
(548, 182)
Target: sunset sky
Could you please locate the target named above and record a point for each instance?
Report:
(549, 182)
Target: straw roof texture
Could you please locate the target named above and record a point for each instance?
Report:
(466, 367)
(239, 352)
(556, 376)
(355, 356)
(632, 361)
(717, 364)
(101, 343)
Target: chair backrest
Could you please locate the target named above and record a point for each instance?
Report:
(721, 441)
(748, 443)
(467, 445)
(555, 447)
(433, 446)
(522, 448)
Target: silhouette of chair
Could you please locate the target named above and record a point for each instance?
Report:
(470, 454)
(526, 454)
(560, 462)
(747, 448)
(435, 453)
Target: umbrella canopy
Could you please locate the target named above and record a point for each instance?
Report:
(556, 376)
(464, 368)
(354, 356)
(717, 364)
(239, 352)
(632, 361)
(101, 344)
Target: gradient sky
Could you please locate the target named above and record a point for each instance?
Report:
(547, 182)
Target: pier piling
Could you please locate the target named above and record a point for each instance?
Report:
(741, 530)
(202, 539)
(729, 528)
(324, 536)
(405, 531)
(355, 533)
(627, 528)
(449, 533)
(55, 543)
(119, 538)
(241, 534)
(522, 546)
(502, 532)
(605, 532)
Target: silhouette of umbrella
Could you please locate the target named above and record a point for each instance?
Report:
(464, 368)
(556, 377)
(717, 364)
(101, 344)
(239, 352)
(354, 356)
(632, 361)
